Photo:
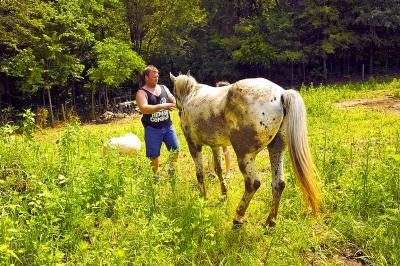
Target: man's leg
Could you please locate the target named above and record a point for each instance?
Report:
(227, 155)
(153, 140)
(171, 141)
(154, 165)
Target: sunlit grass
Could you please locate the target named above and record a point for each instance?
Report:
(63, 201)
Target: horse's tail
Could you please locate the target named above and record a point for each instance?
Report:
(299, 151)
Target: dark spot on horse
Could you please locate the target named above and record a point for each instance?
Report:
(274, 98)
(276, 172)
(270, 136)
(261, 122)
(242, 165)
(281, 185)
(248, 186)
(263, 113)
(199, 177)
(284, 112)
(256, 184)
(277, 144)
(242, 147)
(273, 119)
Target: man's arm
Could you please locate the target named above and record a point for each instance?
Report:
(171, 97)
(145, 108)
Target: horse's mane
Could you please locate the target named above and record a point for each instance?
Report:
(184, 84)
(192, 80)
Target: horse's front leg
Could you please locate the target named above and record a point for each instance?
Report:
(252, 183)
(276, 148)
(195, 152)
(218, 168)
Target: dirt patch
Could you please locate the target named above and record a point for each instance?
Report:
(347, 257)
(387, 103)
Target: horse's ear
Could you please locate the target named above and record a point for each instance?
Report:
(188, 73)
(171, 76)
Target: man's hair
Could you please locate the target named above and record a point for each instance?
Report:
(149, 69)
(222, 83)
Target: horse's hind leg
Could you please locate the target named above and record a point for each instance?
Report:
(276, 148)
(218, 168)
(252, 183)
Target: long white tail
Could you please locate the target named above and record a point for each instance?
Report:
(299, 151)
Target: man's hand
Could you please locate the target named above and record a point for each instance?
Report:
(167, 106)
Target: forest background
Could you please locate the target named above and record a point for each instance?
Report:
(86, 56)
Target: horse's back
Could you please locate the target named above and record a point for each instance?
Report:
(255, 105)
(255, 93)
(258, 86)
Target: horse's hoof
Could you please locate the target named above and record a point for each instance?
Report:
(172, 172)
(223, 197)
(270, 223)
(227, 177)
(157, 178)
(237, 224)
(210, 175)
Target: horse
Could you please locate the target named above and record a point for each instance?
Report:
(249, 115)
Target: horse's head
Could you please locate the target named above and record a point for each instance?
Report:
(183, 85)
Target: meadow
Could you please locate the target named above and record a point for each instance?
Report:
(62, 201)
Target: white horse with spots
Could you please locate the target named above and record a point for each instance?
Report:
(250, 115)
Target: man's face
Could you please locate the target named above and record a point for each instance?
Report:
(152, 78)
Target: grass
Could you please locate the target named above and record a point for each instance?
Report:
(63, 202)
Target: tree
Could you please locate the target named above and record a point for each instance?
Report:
(115, 63)
(160, 29)
(376, 24)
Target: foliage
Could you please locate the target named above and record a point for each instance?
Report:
(115, 63)
(25, 66)
(41, 117)
(28, 123)
(62, 45)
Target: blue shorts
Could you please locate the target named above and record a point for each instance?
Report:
(154, 137)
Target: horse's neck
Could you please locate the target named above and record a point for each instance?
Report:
(190, 90)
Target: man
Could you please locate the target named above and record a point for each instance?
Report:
(154, 102)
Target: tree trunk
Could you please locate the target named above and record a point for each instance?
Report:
(106, 98)
(291, 76)
(2, 89)
(371, 59)
(362, 72)
(304, 71)
(387, 60)
(73, 94)
(93, 111)
(63, 112)
(51, 108)
(44, 96)
(324, 67)
(99, 94)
